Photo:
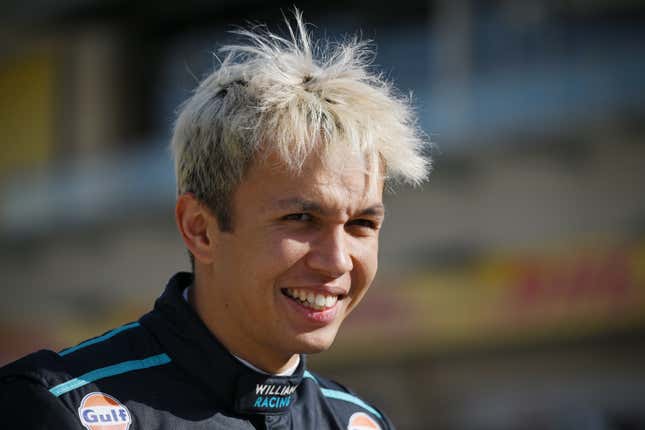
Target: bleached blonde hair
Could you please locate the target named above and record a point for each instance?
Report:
(290, 97)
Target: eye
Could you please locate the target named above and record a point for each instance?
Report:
(361, 222)
(298, 217)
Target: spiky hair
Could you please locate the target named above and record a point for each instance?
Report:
(290, 97)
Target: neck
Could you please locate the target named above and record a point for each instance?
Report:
(213, 311)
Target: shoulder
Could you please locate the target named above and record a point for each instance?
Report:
(25, 400)
(48, 368)
(349, 407)
(122, 343)
(54, 383)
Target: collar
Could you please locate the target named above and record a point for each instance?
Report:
(193, 348)
(290, 371)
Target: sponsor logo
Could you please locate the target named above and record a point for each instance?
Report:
(272, 402)
(362, 421)
(100, 411)
(271, 396)
(275, 390)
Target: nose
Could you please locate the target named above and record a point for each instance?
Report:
(330, 254)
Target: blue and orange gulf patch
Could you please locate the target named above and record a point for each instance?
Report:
(100, 411)
(362, 421)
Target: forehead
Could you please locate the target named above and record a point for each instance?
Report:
(346, 181)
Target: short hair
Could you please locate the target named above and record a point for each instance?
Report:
(290, 97)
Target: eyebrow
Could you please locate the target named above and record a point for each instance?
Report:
(305, 205)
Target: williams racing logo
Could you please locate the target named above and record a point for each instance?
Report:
(99, 411)
(270, 396)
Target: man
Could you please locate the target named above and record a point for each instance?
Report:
(281, 157)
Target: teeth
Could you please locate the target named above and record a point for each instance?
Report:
(308, 298)
(320, 300)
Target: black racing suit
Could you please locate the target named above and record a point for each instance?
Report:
(167, 371)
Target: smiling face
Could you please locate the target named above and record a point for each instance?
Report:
(301, 255)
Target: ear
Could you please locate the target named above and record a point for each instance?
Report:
(195, 223)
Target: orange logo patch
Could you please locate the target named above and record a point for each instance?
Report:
(99, 411)
(362, 421)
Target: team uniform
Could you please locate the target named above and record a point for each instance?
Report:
(167, 371)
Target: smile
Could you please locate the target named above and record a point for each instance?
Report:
(318, 301)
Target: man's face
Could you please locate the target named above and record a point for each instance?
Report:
(298, 239)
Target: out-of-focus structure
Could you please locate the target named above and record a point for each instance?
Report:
(512, 286)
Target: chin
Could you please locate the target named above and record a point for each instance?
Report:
(313, 343)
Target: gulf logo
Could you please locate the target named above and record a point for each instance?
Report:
(362, 421)
(100, 411)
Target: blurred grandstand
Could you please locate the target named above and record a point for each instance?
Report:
(512, 286)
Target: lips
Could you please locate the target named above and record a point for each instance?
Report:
(319, 300)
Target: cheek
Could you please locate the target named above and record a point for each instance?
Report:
(365, 266)
(280, 255)
(369, 257)
(289, 251)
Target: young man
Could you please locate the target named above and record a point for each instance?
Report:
(281, 157)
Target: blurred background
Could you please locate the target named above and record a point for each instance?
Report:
(511, 293)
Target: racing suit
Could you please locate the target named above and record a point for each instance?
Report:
(167, 371)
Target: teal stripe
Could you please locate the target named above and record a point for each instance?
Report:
(99, 339)
(104, 372)
(341, 395)
(307, 374)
